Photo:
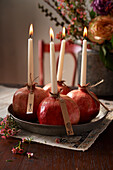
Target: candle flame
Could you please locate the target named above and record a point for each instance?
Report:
(51, 34)
(85, 32)
(63, 32)
(31, 30)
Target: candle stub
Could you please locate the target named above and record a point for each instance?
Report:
(68, 126)
(30, 103)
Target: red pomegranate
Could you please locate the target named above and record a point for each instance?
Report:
(88, 106)
(49, 111)
(62, 88)
(20, 99)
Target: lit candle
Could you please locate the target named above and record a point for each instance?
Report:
(61, 57)
(30, 57)
(54, 89)
(84, 60)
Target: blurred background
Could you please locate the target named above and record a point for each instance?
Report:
(15, 19)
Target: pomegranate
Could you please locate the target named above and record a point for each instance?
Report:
(62, 88)
(20, 99)
(49, 111)
(88, 106)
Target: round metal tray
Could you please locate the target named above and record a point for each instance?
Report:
(58, 130)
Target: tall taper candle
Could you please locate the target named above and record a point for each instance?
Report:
(54, 89)
(30, 57)
(84, 60)
(61, 58)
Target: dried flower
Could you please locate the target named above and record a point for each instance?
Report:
(23, 140)
(102, 7)
(20, 151)
(8, 127)
(29, 154)
(73, 14)
(14, 150)
(57, 140)
(3, 137)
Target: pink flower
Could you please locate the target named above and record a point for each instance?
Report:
(60, 0)
(29, 154)
(84, 18)
(71, 6)
(9, 131)
(3, 137)
(21, 151)
(78, 10)
(1, 123)
(75, 30)
(17, 149)
(2, 131)
(61, 5)
(81, 16)
(13, 132)
(84, 13)
(23, 140)
(75, 18)
(57, 140)
(59, 36)
(68, 32)
(14, 150)
(80, 29)
(63, 13)
(72, 22)
(5, 119)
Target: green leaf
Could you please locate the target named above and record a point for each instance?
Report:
(101, 54)
(104, 50)
(106, 58)
(109, 61)
(9, 160)
(92, 14)
(111, 40)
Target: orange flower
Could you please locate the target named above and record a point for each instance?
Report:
(100, 29)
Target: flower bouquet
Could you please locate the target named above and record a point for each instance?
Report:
(97, 17)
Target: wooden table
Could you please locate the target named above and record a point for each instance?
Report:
(98, 157)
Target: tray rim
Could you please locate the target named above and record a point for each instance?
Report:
(55, 126)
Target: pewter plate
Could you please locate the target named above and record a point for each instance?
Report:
(54, 130)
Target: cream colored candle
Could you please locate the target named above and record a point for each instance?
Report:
(30, 57)
(61, 58)
(54, 89)
(84, 60)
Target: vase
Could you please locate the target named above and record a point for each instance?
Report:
(96, 71)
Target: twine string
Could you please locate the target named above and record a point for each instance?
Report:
(87, 86)
(67, 122)
(94, 97)
(61, 83)
(94, 85)
(33, 84)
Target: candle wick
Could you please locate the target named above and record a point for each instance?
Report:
(30, 36)
(85, 37)
(51, 38)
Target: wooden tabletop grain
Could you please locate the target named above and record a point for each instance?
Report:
(98, 157)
